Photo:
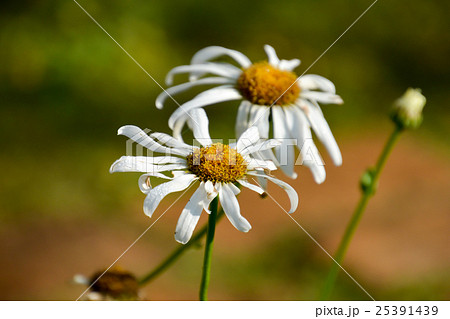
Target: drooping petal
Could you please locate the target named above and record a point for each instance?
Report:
(300, 130)
(225, 70)
(253, 187)
(188, 85)
(271, 55)
(137, 135)
(292, 194)
(191, 214)
(316, 82)
(213, 52)
(234, 188)
(323, 131)
(155, 196)
(248, 138)
(199, 124)
(285, 152)
(259, 117)
(146, 164)
(321, 97)
(212, 96)
(242, 117)
(231, 208)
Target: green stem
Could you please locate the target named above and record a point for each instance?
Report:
(368, 191)
(208, 250)
(176, 254)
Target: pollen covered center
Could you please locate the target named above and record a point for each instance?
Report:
(217, 163)
(263, 84)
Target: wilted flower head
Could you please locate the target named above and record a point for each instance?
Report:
(407, 110)
(266, 90)
(114, 284)
(216, 167)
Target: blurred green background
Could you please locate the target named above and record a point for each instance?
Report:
(66, 88)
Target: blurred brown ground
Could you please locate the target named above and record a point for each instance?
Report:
(402, 239)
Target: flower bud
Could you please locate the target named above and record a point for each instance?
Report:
(407, 110)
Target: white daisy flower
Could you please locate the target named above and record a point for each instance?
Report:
(216, 167)
(264, 89)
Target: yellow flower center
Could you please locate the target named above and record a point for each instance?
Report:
(264, 84)
(217, 163)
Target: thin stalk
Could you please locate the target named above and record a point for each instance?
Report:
(208, 250)
(368, 190)
(166, 263)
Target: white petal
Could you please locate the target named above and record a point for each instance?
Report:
(242, 117)
(212, 96)
(234, 188)
(155, 196)
(293, 196)
(145, 164)
(137, 135)
(316, 82)
(271, 55)
(188, 85)
(191, 214)
(231, 208)
(199, 124)
(321, 97)
(212, 193)
(323, 132)
(285, 152)
(144, 182)
(248, 138)
(178, 127)
(288, 65)
(254, 188)
(259, 117)
(260, 164)
(309, 154)
(225, 70)
(168, 140)
(213, 52)
(269, 144)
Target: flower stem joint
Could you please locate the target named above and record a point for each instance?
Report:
(367, 182)
(407, 110)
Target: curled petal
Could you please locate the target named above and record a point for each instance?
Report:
(212, 96)
(137, 135)
(225, 70)
(146, 164)
(199, 124)
(213, 52)
(322, 97)
(293, 197)
(155, 195)
(254, 188)
(188, 85)
(310, 82)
